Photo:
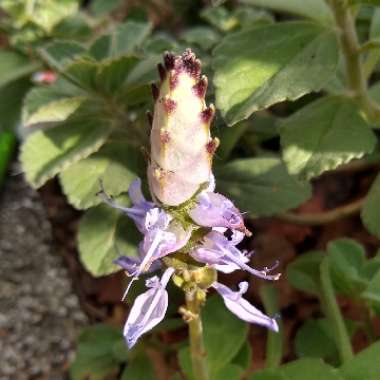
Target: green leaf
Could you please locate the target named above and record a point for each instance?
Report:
(14, 66)
(313, 339)
(220, 18)
(159, 43)
(303, 273)
(75, 27)
(41, 96)
(83, 73)
(372, 292)
(107, 77)
(323, 135)
(347, 258)
(249, 16)
(55, 111)
(116, 164)
(46, 153)
(11, 97)
(103, 233)
(315, 9)
(229, 137)
(309, 369)
(95, 357)
(371, 210)
(185, 362)
(113, 74)
(230, 372)
(125, 39)
(47, 14)
(101, 7)
(261, 186)
(243, 358)
(268, 374)
(369, 2)
(201, 36)
(374, 31)
(59, 54)
(224, 336)
(257, 68)
(139, 368)
(365, 365)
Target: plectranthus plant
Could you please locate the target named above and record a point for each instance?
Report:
(190, 232)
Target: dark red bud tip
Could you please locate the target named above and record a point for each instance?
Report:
(149, 117)
(169, 59)
(173, 80)
(155, 92)
(212, 145)
(200, 88)
(161, 71)
(208, 114)
(164, 136)
(191, 64)
(169, 105)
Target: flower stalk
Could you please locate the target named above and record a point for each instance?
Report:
(350, 47)
(197, 348)
(334, 314)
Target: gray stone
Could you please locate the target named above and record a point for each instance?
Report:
(40, 315)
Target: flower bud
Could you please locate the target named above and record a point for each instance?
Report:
(181, 145)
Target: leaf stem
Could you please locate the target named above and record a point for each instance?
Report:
(334, 314)
(356, 78)
(197, 349)
(321, 218)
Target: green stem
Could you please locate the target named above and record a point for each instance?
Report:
(321, 218)
(7, 146)
(274, 350)
(334, 314)
(356, 79)
(197, 348)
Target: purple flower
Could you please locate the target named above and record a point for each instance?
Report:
(163, 236)
(140, 206)
(242, 308)
(149, 308)
(215, 210)
(220, 252)
(128, 263)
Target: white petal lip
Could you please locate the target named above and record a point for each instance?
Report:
(148, 310)
(242, 308)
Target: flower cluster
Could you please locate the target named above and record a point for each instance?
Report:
(188, 216)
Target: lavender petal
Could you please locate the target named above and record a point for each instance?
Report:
(148, 310)
(242, 308)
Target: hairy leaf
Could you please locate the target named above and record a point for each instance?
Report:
(46, 153)
(364, 365)
(261, 186)
(124, 39)
(58, 54)
(265, 65)
(116, 164)
(323, 135)
(14, 66)
(315, 9)
(104, 233)
(371, 210)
